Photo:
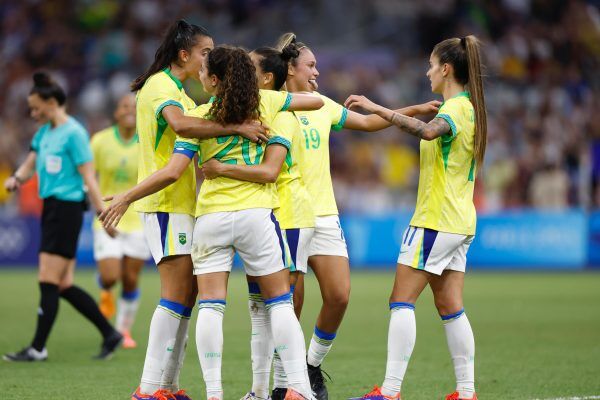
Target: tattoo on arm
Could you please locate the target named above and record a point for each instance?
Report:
(415, 127)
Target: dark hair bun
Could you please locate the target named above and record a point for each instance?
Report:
(42, 79)
(289, 52)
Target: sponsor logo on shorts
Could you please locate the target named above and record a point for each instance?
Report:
(182, 238)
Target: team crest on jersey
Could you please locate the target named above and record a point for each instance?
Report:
(304, 120)
(182, 238)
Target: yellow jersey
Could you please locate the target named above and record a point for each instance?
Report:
(295, 206)
(226, 194)
(157, 141)
(116, 163)
(447, 177)
(313, 159)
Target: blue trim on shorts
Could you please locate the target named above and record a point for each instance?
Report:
(413, 235)
(429, 236)
(452, 316)
(406, 234)
(402, 305)
(278, 231)
(293, 239)
(163, 224)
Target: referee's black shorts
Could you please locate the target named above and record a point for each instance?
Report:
(61, 224)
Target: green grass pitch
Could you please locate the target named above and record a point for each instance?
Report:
(537, 337)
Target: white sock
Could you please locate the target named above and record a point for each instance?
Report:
(261, 344)
(126, 310)
(401, 341)
(461, 344)
(279, 378)
(209, 342)
(320, 344)
(162, 337)
(289, 343)
(170, 376)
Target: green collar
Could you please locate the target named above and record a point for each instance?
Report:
(463, 94)
(177, 81)
(131, 141)
(212, 99)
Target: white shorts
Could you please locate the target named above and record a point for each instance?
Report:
(125, 244)
(434, 251)
(298, 242)
(254, 234)
(168, 234)
(329, 238)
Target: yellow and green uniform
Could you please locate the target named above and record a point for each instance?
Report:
(447, 177)
(295, 208)
(157, 140)
(313, 157)
(226, 194)
(116, 163)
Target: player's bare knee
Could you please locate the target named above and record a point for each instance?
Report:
(447, 305)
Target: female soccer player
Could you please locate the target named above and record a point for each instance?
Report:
(115, 151)
(169, 214)
(435, 245)
(295, 214)
(60, 154)
(328, 255)
(232, 100)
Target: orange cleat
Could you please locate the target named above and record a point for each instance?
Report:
(291, 394)
(181, 395)
(160, 394)
(128, 342)
(107, 304)
(454, 396)
(376, 394)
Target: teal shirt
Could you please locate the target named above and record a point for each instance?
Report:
(59, 152)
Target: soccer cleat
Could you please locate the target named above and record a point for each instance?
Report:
(160, 394)
(27, 354)
(252, 396)
(376, 394)
(291, 394)
(278, 393)
(107, 304)
(109, 345)
(181, 395)
(455, 396)
(128, 342)
(317, 382)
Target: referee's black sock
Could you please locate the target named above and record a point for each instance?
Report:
(46, 314)
(85, 304)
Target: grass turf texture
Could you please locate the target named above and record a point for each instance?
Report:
(537, 336)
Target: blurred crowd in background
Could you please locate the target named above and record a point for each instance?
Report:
(542, 83)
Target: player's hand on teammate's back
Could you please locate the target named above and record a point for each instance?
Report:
(253, 131)
(11, 184)
(212, 168)
(112, 214)
(357, 101)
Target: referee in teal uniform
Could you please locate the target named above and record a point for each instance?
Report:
(61, 155)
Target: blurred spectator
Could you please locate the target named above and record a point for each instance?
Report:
(542, 87)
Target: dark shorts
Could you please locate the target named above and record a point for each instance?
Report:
(61, 224)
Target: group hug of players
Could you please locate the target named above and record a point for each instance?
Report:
(262, 143)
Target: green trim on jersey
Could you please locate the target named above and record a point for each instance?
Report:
(134, 139)
(340, 124)
(186, 145)
(472, 171)
(448, 119)
(288, 101)
(174, 78)
(280, 140)
(446, 144)
(161, 121)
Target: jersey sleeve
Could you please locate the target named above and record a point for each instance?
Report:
(187, 147)
(336, 112)
(275, 101)
(163, 93)
(283, 128)
(79, 147)
(451, 112)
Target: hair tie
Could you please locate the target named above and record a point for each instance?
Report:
(463, 42)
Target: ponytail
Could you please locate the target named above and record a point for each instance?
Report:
(475, 87)
(464, 56)
(288, 41)
(47, 88)
(180, 36)
(237, 96)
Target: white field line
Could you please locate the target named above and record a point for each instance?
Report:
(573, 398)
